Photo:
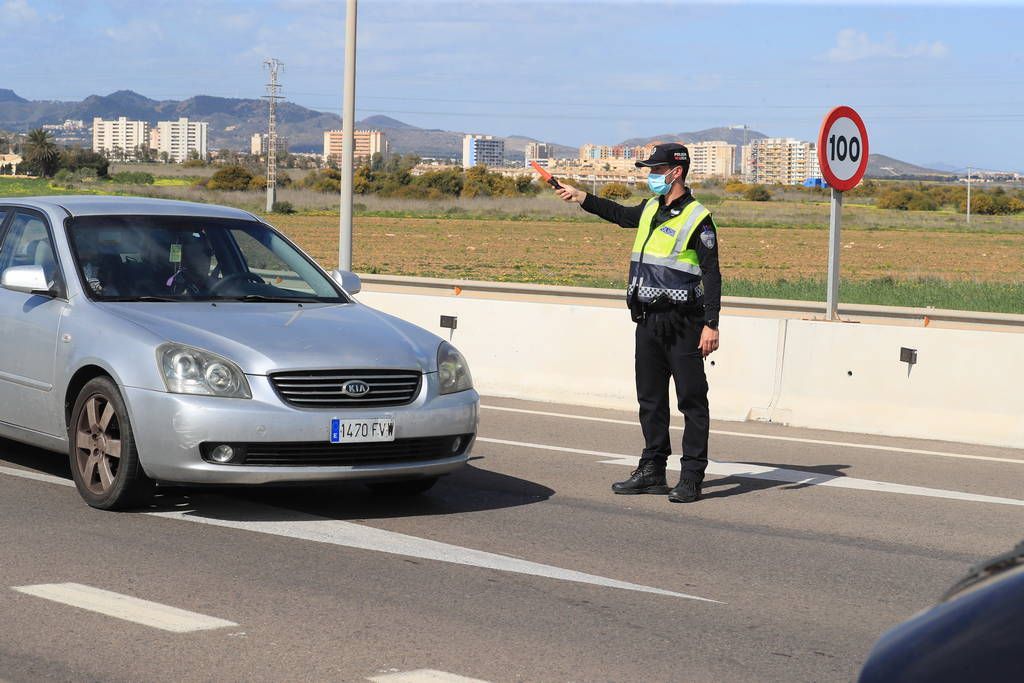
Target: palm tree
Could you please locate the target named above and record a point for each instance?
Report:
(41, 151)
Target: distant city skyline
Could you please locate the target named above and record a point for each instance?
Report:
(936, 83)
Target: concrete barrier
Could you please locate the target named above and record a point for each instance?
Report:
(967, 385)
(582, 354)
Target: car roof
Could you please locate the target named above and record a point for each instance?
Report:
(100, 205)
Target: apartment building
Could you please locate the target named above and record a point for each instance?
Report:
(714, 159)
(537, 151)
(181, 138)
(780, 161)
(119, 138)
(367, 143)
(482, 150)
(258, 144)
(590, 152)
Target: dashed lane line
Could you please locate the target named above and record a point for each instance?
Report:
(125, 607)
(423, 676)
(748, 471)
(265, 519)
(770, 437)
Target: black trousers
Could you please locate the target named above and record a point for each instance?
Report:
(657, 359)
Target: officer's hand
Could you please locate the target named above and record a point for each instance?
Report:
(570, 194)
(708, 341)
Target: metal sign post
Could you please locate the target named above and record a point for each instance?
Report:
(843, 159)
(834, 221)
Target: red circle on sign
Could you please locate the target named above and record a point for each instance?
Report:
(823, 161)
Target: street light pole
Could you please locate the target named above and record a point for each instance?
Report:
(968, 195)
(348, 136)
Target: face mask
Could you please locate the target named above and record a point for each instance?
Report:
(656, 183)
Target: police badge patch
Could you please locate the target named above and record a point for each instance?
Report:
(707, 236)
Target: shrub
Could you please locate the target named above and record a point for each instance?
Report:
(232, 178)
(757, 193)
(282, 207)
(133, 178)
(615, 191)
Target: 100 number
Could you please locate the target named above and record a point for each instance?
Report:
(839, 148)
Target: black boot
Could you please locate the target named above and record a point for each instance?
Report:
(648, 477)
(685, 492)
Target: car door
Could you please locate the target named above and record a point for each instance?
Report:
(29, 326)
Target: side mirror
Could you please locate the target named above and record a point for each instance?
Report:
(348, 281)
(27, 279)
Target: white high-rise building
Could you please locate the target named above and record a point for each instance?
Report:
(120, 138)
(780, 161)
(182, 137)
(537, 151)
(482, 150)
(714, 159)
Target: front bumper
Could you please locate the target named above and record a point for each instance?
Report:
(169, 429)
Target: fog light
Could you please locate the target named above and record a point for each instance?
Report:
(457, 444)
(222, 454)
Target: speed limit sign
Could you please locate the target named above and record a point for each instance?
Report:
(843, 158)
(843, 148)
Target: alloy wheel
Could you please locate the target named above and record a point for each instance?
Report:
(98, 444)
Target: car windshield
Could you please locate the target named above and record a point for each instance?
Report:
(186, 258)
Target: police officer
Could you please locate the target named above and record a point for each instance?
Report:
(674, 296)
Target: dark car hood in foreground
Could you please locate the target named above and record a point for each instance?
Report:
(265, 337)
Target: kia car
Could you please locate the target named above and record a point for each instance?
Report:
(159, 342)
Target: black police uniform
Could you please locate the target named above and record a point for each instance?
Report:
(667, 340)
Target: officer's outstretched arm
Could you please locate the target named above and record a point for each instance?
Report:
(571, 194)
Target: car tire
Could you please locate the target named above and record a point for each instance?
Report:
(101, 448)
(402, 487)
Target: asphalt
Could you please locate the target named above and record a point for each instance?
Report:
(789, 569)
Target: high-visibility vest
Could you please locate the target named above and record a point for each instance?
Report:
(661, 262)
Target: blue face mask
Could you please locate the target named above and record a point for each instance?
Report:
(656, 183)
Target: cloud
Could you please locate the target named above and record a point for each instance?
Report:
(853, 46)
(17, 11)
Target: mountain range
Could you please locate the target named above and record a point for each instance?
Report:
(232, 122)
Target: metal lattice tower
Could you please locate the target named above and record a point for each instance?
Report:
(273, 65)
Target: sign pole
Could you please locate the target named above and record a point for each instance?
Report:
(834, 224)
(843, 160)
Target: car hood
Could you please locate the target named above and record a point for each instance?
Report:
(266, 337)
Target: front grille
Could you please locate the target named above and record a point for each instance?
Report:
(323, 388)
(326, 454)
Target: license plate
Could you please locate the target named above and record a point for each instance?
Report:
(363, 430)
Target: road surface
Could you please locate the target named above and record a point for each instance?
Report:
(522, 567)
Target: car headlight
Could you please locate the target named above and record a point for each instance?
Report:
(187, 370)
(452, 370)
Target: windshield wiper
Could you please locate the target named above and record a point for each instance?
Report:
(270, 299)
(142, 298)
(988, 568)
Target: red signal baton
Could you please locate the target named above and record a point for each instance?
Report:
(548, 178)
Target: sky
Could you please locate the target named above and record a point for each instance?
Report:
(934, 82)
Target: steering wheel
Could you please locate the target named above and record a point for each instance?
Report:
(248, 276)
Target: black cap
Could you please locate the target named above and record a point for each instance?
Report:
(671, 153)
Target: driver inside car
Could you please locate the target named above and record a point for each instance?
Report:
(192, 278)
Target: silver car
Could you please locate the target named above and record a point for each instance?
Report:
(163, 342)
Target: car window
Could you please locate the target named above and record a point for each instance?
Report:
(27, 243)
(182, 258)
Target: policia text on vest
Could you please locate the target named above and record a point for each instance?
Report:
(674, 295)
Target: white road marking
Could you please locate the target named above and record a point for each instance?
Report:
(771, 437)
(37, 476)
(266, 520)
(739, 469)
(239, 515)
(424, 676)
(125, 607)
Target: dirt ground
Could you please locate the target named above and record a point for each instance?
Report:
(597, 253)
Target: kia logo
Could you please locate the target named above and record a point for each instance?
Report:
(355, 387)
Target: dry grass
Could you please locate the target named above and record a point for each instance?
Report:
(597, 254)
